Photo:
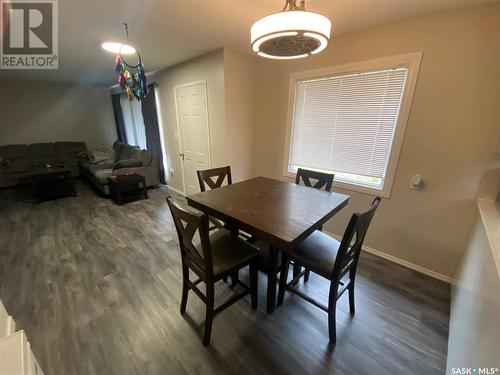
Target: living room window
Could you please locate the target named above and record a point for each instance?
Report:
(350, 121)
(134, 122)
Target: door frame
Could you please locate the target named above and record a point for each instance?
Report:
(204, 82)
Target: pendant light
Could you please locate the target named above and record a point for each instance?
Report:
(292, 33)
(131, 75)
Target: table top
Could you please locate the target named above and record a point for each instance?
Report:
(278, 212)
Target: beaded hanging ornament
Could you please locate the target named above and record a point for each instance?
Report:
(131, 77)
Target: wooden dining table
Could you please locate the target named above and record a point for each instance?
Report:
(279, 213)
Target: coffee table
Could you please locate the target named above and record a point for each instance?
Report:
(51, 183)
(127, 188)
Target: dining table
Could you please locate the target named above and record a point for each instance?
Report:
(279, 213)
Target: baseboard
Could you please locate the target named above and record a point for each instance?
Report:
(401, 262)
(175, 190)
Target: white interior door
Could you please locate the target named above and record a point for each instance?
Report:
(192, 120)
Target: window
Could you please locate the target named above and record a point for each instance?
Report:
(350, 121)
(134, 122)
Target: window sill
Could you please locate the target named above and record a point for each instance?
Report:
(383, 193)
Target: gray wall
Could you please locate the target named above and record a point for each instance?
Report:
(32, 112)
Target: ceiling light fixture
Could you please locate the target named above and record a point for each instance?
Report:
(292, 33)
(131, 74)
(117, 48)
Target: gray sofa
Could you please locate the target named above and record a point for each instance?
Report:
(128, 159)
(17, 160)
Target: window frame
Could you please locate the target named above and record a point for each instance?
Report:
(412, 62)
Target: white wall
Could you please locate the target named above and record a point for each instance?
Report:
(209, 67)
(32, 112)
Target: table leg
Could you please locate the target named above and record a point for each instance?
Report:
(271, 279)
(71, 186)
(234, 230)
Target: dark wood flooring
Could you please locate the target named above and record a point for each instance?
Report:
(97, 287)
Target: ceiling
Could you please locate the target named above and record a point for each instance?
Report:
(167, 32)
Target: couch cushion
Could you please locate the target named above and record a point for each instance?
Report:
(69, 153)
(16, 166)
(71, 148)
(102, 175)
(102, 155)
(93, 168)
(44, 149)
(15, 159)
(14, 151)
(43, 153)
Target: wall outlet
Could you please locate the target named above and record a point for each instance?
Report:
(171, 172)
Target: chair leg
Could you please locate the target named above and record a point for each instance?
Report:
(306, 275)
(351, 297)
(234, 279)
(209, 314)
(351, 300)
(254, 284)
(296, 270)
(185, 289)
(332, 309)
(283, 277)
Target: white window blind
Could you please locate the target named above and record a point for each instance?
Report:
(346, 123)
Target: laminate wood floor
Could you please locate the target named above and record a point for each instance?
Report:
(97, 289)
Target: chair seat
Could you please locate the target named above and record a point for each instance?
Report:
(229, 251)
(317, 253)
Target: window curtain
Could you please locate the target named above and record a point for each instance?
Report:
(120, 124)
(153, 140)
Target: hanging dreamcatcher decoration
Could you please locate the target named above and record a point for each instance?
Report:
(131, 76)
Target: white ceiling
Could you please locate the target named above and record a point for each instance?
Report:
(167, 31)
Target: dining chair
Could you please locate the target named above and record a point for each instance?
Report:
(331, 259)
(211, 257)
(206, 178)
(317, 180)
(322, 179)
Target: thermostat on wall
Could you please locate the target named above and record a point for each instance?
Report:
(416, 182)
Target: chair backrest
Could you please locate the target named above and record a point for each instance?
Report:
(322, 179)
(188, 223)
(348, 254)
(205, 177)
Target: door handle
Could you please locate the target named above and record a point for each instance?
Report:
(182, 155)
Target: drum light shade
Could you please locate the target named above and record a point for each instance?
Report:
(290, 34)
